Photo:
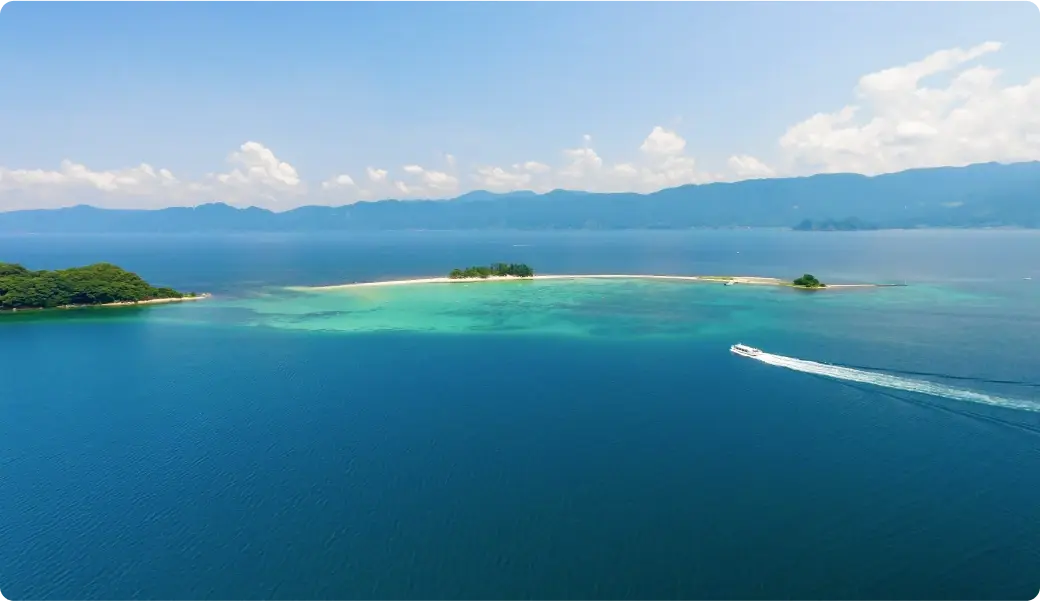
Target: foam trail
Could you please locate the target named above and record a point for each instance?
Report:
(896, 382)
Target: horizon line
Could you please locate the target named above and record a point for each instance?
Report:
(531, 193)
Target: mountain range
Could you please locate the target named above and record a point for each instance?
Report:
(981, 195)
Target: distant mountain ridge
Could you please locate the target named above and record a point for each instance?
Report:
(981, 195)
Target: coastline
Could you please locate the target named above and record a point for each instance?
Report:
(153, 301)
(744, 280)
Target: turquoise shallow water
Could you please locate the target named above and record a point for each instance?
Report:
(583, 307)
(548, 439)
(580, 307)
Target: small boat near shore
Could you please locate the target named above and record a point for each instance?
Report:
(744, 350)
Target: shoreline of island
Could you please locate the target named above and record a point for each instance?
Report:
(23, 289)
(150, 301)
(725, 280)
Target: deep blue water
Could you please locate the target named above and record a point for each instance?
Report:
(148, 458)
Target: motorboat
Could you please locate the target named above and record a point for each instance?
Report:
(744, 350)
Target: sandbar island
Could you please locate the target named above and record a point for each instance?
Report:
(503, 272)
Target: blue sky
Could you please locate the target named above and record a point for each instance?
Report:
(274, 103)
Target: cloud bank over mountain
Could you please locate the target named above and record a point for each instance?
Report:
(895, 121)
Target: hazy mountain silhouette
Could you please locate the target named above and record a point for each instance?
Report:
(982, 195)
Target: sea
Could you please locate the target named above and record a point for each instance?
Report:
(550, 439)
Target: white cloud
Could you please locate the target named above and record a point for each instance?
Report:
(497, 179)
(256, 167)
(581, 163)
(376, 175)
(747, 167)
(899, 122)
(417, 182)
(429, 183)
(74, 177)
(340, 181)
(440, 181)
(663, 163)
(945, 109)
(662, 142)
(534, 167)
(257, 176)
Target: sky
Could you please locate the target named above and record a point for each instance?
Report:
(153, 104)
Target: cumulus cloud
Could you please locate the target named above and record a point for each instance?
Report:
(662, 163)
(745, 166)
(74, 177)
(428, 182)
(945, 109)
(256, 166)
(376, 175)
(497, 179)
(900, 122)
(256, 176)
(412, 182)
(340, 181)
(662, 142)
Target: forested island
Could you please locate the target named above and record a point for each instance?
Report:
(808, 281)
(98, 284)
(517, 270)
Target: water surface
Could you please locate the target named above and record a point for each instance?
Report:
(549, 439)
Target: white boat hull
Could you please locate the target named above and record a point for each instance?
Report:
(745, 351)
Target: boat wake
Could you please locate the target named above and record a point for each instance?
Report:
(896, 382)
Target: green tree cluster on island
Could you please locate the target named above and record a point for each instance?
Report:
(518, 270)
(95, 284)
(808, 281)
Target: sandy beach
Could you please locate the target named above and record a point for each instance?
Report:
(744, 280)
(154, 301)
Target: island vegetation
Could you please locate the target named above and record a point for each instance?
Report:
(518, 270)
(98, 284)
(808, 281)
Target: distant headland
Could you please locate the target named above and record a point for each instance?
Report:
(499, 272)
(100, 284)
